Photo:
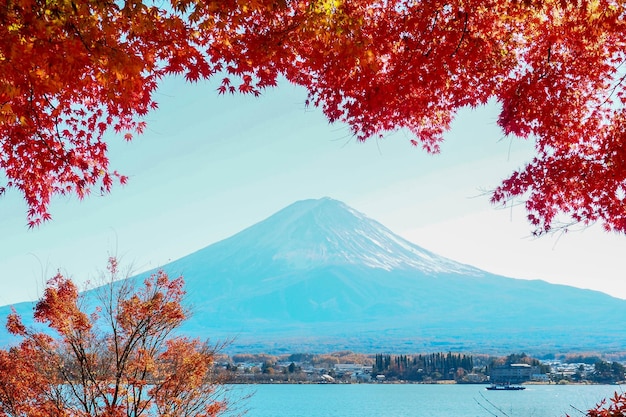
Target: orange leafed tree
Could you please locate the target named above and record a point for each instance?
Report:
(122, 359)
(71, 70)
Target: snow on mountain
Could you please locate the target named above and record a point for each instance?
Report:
(328, 232)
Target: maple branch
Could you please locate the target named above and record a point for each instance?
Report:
(493, 405)
(57, 155)
(462, 35)
(87, 373)
(35, 113)
(547, 67)
(57, 122)
(432, 29)
(80, 36)
(51, 357)
(617, 84)
(38, 134)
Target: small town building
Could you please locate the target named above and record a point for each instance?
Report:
(514, 373)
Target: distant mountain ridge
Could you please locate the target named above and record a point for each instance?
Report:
(319, 276)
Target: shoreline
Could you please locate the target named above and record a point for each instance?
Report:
(444, 382)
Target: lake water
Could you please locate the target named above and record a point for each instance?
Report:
(393, 400)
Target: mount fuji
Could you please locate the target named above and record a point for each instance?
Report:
(320, 276)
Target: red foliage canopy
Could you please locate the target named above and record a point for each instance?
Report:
(70, 70)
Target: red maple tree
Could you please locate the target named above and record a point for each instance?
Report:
(71, 70)
(121, 360)
(616, 407)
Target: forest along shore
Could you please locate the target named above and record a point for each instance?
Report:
(431, 368)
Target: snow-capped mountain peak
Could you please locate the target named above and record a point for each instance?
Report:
(326, 231)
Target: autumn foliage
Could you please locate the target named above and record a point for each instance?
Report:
(122, 359)
(71, 70)
(615, 407)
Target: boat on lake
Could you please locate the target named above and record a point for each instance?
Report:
(505, 387)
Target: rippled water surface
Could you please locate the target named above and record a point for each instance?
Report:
(382, 400)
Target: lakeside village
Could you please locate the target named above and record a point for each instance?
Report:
(434, 368)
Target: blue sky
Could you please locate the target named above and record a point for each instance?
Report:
(209, 166)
